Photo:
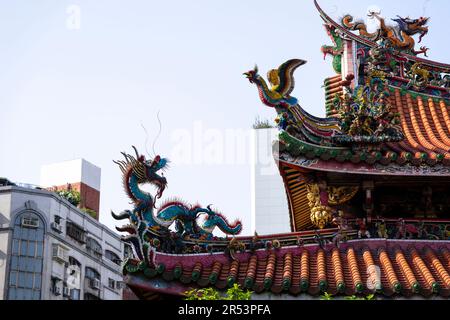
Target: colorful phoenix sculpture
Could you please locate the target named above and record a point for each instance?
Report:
(292, 118)
(364, 115)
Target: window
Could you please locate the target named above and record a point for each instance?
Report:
(93, 247)
(56, 224)
(91, 273)
(25, 277)
(75, 232)
(30, 222)
(74, 262)
(93, 277)
(13, 278)
(120, 285)
(40, 249)
(73, 278)
(112, 257)
(56, 290)
(15, 246)
(89, 296)
(111, 283)
(74, 294)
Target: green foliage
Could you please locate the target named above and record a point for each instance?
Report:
(369, 297)
(234, 293)
(262, 124)
(202, 294)
(328, 296)
(90, 212)
(72, 196)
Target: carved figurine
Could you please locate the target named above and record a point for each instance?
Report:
(420, 77)
(401, 229)
(382, 229)
(363, 232)
(343, 228)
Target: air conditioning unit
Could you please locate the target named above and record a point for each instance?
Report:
(95, 284)
(66, 292)
(57, 227)
(56, 291)
(59, 254)
(30, 223)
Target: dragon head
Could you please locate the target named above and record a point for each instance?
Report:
(252, 75)
(327, 50)
(145, 171)
(152, 167)
(413, 26)
(422, 21)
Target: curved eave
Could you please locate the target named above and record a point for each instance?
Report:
(303, 163)
(296, 192)
(369, 43)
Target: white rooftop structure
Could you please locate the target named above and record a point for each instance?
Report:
(270, 212)
(73, 171)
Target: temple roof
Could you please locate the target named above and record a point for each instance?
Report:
(406, 130)
(425, 151)
(387, 117)
(406, 268)
(369, 42)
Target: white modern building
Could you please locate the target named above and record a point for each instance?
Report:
(270, 212)
(50, 250)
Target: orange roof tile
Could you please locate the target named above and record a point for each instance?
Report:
(406, 268)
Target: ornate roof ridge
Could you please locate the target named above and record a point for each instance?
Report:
(370, 43)
(355, 268)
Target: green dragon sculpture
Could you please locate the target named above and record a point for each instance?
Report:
(147, 229)
(336, 51)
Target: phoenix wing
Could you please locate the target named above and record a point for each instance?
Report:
(286, 74)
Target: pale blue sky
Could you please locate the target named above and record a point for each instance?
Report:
(68, 94)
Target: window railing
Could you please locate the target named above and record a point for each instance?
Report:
(93, 247)
(76, 232)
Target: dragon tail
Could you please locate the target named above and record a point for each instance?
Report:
(347, 22)
(234, 228)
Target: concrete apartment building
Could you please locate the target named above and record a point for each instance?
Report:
(51, 250)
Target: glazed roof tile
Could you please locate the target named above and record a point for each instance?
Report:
(406, 268)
